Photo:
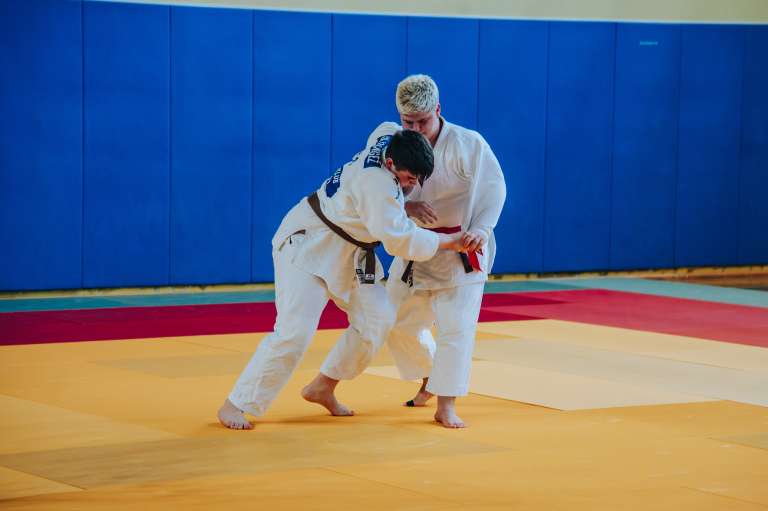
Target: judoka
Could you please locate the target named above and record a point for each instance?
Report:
(466, 192)
(323, 250)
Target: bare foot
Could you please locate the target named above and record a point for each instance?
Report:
(232, 417)
(320, 391)
(446, 413)
(450, 420)
(421, 397)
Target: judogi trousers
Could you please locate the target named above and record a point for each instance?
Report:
(300, 298)
(447, 360)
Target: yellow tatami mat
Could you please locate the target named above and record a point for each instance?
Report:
(628, 370)
(673, 347)
(130, 425)
(572, 366)
(15, 484)
(38, 427)
(554, 389)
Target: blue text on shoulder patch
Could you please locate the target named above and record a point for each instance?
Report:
(333, 183)
(374, 155)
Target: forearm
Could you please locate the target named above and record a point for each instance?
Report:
(450, 241)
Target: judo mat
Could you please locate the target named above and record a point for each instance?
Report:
(593, 394)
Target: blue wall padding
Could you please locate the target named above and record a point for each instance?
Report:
(513, 80)
(645, 146)
(40, 145)
(447, 50)
(211, 127)
(708, 166)
(147, 145)
(753, 191)
(127, 66)
(579, 128)
(369, 59)
(292, 120)
(368, 62)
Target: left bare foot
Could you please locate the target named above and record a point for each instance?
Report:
(320, 391)
(422, 396)
(420, 399)
(232, 417)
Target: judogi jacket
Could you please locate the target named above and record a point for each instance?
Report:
(366, 201)
(466, 189)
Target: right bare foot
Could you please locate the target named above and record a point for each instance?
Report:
(320, 391)
(232, 417)
(449, 419)
(446, 413)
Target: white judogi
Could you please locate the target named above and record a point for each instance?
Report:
(313, 264)
(466, 188)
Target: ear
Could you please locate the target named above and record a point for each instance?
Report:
(437, 110)
(390, 164)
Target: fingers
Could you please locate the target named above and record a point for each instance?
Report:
(424, 213)
(426, 218)
(421, 211)
(471, 241)
(428, 214)
(468, 239)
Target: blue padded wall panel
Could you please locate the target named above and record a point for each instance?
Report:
(513, 95)
(753, 193)
(645, 146)
(292, 119)
(708, 168)
(368, 62)
(40, 144)
(447, 50)
(126, 145)
(579, 128)
(211, 123)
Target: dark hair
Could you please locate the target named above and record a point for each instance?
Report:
(409, 150)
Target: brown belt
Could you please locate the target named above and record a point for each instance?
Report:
(370, 258)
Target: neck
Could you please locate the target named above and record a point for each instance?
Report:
(433, 140)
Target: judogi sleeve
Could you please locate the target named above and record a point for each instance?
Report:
(381, 211)
(489, 191)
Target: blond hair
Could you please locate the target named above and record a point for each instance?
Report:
(417, 94)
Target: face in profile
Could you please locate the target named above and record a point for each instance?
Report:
(407, 180)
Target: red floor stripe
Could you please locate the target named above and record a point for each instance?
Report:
(739, 324)
(175, 321)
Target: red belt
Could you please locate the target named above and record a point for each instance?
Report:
(468, 259)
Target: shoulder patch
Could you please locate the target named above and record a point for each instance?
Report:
(374, 155)
(332, 183)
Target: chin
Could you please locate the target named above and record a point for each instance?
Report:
(407, 190)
